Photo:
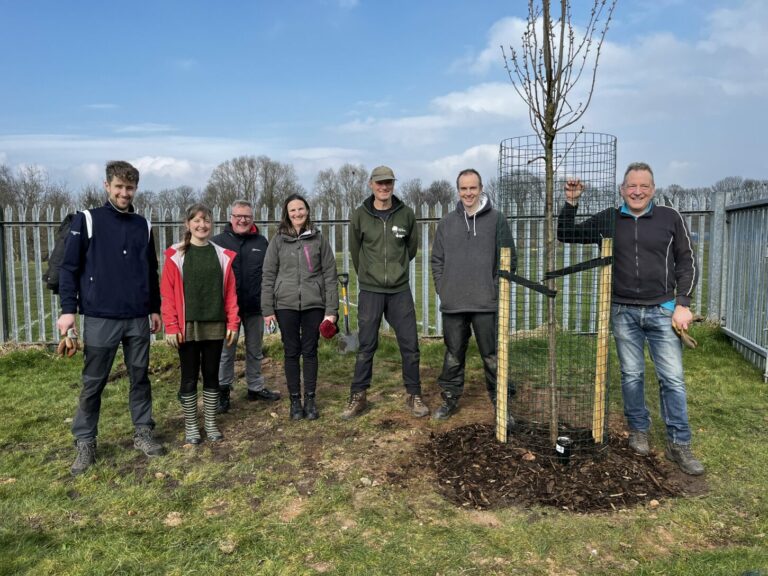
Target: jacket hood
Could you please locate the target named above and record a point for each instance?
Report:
(368, 204)
(470, 221)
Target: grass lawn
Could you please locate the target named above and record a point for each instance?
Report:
(279, 497)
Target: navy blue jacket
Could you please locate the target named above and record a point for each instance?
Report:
(653, 258)
(251, 249)
(114, 274)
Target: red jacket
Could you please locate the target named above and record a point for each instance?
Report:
(172, 289)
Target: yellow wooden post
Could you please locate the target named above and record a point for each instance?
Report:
(601, 358)
(502, 351)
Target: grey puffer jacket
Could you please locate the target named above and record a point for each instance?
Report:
(299, 274)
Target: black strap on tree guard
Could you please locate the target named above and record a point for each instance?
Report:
(581, 266)
(548, 292)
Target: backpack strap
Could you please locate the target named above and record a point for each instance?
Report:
(88, 222)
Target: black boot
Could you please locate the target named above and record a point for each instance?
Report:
(450, 403)
(224, 402)
(297, 413)
(310, 409)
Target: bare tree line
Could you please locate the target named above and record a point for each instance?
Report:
(267, 182)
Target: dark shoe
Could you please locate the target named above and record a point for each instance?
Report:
(450, 403)
(263, 394)
(415, 403)
(681, 455)
(357, 404)
(310, 408)
(86, 456)
(297, 412)
(143, 440)
(224, 403)
(638, 441)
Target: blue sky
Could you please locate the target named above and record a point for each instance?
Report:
(178, 87)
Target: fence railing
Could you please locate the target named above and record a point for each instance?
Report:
(746, 286)
(28, 310)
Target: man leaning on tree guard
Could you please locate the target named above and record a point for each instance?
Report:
(654, 274)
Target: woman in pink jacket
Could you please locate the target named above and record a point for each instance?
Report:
(199, 310)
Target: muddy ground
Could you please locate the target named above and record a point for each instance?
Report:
(460, 458)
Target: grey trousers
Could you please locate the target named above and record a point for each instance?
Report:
(102, 337)
(253, 328)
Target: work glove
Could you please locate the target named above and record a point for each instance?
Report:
(231, 337)
(687, 340)
(174, 340)
(68, 345)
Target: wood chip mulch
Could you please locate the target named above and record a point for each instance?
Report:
(473, 469)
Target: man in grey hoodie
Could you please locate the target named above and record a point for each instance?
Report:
(465, 262)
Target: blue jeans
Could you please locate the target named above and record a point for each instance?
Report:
(633, 326)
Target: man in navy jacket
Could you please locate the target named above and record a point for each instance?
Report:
(109, 275)
(242, 236)
(654, 274)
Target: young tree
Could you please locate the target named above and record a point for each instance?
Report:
(545, 72)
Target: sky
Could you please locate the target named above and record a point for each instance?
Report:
(179, 86)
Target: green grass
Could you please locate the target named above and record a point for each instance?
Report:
(278, 497)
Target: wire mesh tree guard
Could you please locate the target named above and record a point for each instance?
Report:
(572, 407)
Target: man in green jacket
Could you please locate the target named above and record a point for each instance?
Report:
(383, 240)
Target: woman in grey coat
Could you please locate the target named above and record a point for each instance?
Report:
(298, 289)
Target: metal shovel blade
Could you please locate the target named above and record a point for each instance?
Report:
(348, 342)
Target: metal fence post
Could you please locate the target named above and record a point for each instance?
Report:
(3, 283)
(717, 248)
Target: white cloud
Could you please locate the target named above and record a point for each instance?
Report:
(163, 167)
(489, 98)
(484, 158)
(144, 128)
(505, 32)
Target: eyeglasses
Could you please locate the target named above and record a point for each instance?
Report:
(243, 217)
(640, 187)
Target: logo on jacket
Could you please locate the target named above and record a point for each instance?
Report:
(398, 232)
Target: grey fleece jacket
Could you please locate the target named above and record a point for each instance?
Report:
(299, 274)
(465, 258)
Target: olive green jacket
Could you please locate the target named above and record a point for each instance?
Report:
(381, 249)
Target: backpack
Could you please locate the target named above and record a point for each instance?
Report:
(56, 257)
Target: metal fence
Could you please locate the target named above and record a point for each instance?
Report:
(28, 310)
(746, 285)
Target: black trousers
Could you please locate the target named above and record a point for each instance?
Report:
(399, 311)
(300, 332)
(457, 328)
(197, 355)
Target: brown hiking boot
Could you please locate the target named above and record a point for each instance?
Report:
(415, 403)
(357, 405)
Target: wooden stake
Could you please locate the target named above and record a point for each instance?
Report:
(502, 349)
(601, 358)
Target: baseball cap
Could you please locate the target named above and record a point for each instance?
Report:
(382, 173)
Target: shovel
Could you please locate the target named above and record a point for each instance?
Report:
(348, 342)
